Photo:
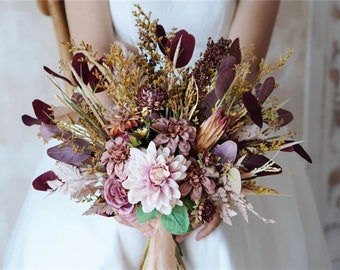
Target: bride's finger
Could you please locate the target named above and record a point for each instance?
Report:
(123, 221)
(209, 227)
(180, 238)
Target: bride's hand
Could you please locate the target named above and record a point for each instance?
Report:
(205, 231)
(147, 228)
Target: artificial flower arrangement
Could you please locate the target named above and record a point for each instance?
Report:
(144, 137)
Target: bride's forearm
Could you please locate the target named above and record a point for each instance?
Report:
(253, 23)
(90, 21)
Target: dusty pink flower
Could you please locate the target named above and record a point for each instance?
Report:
(198, 180)
(152, 178)
(206, 210)
(208, 159)
(121, 120)
(152, 97)
(116, 196)
(174, 134)
(117, 152)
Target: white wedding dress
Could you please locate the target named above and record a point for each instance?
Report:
(51, 232)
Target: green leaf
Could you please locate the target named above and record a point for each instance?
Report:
(178, 221)
(189, 204)
(134, 142)
(145, 217)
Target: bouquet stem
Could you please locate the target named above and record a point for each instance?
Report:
(161, 252)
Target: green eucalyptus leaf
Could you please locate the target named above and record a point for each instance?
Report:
(145, 217)
(177, 222)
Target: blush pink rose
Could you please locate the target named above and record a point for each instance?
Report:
(116, 196)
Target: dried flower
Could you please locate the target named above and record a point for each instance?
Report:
(152, 178)
(198, 181)
(120, 119)
(152, 97)
(174, 134)
(115, 156)
(205, 210)
(211, 58)
(208, 159)
(211, 130)
(232, 203)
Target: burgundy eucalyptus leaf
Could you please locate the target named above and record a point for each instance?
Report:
(30, 121)
(235, 50)
(285, 116)
(40, 183)
(65, 152)
(257, 161)
(57, 75)
(227, 62)
(162, 39)
(267, 89)
(81, 67)
(227, 151)
(93, 79)
(288, 149)
(42, 111)
(186, 44)
(299, 150)
(183, 39)
(208, 103)
(225, 76)
(48, 131)
(254, 161)
(253, 107)
(302, 152)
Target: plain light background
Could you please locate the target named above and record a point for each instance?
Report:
(27, 43)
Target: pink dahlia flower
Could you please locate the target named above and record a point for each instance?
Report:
(117, 152)
(116, 196)
(198, 181)
(152, 178)
(174, 134)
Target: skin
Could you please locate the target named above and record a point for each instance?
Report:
(253, 23)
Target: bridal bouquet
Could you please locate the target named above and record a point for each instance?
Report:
(148, 138)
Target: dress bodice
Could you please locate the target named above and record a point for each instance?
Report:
(202, 18)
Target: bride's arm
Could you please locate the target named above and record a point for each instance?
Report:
(253, 23)
(90, 21)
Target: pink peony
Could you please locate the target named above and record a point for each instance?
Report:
(152, 178)
(116, 196)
